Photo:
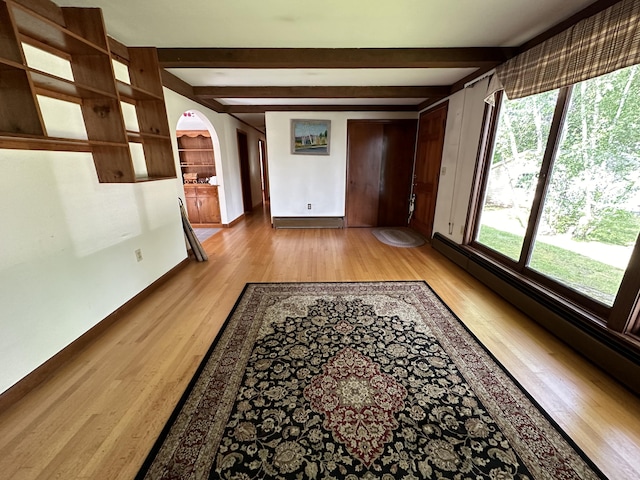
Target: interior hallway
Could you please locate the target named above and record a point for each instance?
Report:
(98, 416)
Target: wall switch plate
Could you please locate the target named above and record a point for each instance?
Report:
(308, 206)
(138, 253)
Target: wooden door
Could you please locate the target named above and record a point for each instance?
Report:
(245, 171)
(395, 173)
(364, 159)
(427, 168)
(379, 164)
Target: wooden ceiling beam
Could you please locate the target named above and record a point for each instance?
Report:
(333, 57)
(170, 81)
(318, 108)
(321, 92)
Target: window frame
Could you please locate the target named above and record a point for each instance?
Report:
(624, 315)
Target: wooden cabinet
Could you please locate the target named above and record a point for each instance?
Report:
(203, 206)
(196, 156)
(77, 35)
(197, 163)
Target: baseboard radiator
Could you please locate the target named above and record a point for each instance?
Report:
(600, 346)
(308, 222)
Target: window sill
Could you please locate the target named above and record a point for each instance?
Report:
(484, 267)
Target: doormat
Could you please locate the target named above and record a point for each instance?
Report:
(399, 236)
(205, 233)
(351, 381)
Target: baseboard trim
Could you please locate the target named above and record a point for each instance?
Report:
(233, 222)
(48, 368)
(308, 222)
(207, 225)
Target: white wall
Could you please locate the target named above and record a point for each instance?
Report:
(67, 251)
(225, 149)
(297, 180)
(67, 244)
(459, 156)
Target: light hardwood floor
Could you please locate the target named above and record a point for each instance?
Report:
(98, 416)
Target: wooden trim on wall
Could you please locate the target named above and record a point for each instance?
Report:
(49, 368)
(234, 221)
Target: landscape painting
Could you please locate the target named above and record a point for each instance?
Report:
(310, 137)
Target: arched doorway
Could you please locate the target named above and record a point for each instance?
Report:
(201, 172)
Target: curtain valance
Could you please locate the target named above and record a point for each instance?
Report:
(600, 44)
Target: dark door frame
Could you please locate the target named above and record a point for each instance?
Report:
(245, 169)
(427, 228)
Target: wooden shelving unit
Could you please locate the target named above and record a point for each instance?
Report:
(78, 35)
(196, 158)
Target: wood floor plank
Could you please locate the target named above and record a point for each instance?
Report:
(98, 416)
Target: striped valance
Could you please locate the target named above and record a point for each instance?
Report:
(600, 44)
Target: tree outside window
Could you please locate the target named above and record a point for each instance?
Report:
(580, 230)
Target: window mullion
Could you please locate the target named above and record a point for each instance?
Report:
(486, 153)
(627, 301)
(562, 106)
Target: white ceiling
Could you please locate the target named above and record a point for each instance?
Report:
(327, 24)
(330, 23)
(272, 77)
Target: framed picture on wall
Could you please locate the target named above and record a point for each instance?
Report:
(310, 137)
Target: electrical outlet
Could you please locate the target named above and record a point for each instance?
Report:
(138, 253)
(308, 206)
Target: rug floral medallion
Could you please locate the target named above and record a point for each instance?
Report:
(374, 381)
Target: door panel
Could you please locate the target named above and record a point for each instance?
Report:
(380, 161)
(427, 168)
(209, 209)
(209, 205)
(364, 154)
(395, 173)
(193, 212)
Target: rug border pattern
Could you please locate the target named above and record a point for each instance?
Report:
(227, 332)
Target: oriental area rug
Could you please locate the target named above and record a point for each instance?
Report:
(373, 380)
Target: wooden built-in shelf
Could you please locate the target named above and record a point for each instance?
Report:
(86, 39)
(140, 136)
(129, 91)
(78, 36)
(6, 64)
(197, 158)
(27, 142)
(56, 85)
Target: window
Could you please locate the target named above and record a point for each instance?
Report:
(561, 197)
(523, 128)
